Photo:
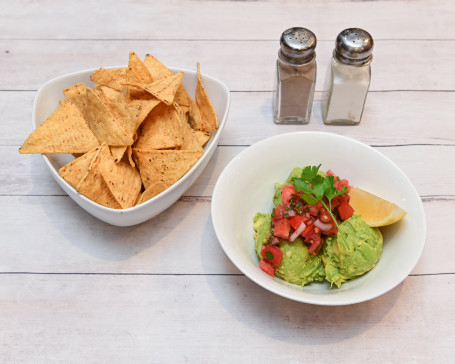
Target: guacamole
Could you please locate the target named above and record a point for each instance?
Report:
(298, 266)
(352, 254)
(312, 233)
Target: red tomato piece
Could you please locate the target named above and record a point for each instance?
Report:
(337, 200)
(266, 267)
(272, 254)
(315, 240)
(296, 220)
(287, 193)
(308, 230)
(345, 211)
(282, 228)
(279, 211)
(314, 209)
(332, 231)
(340, 184)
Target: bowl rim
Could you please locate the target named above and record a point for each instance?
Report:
(298, 294)
(208, 149)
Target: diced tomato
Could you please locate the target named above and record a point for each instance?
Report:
(272, 255)
(332, 231)
(314, 209)
(308, 230)
(330, 173)
(287, 193)
(340, 184)
(266, 267)
(297, 220)
(337, 200)
(345, 211)
(324, 216)
(279, 211)
(315, 240)
(313, 236)
(282, 228)
(318, 249)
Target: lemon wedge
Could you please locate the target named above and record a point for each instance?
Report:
(375, 211)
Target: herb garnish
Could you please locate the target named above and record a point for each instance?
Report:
(316, 187)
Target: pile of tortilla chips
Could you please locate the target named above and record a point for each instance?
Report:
(134, 134)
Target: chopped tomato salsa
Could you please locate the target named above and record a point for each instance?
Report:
(296, 216)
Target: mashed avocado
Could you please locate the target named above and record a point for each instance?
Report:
(263, 227)
(352, 252)
(352, 255)
(297, 266)
(342, 258)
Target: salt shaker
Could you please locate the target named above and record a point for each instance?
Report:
(295, 76)
(349, 77)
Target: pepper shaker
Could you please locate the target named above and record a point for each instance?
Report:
(349, 77)
(295, 76)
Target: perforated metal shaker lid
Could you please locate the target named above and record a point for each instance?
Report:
(354, 46)
(297, 45)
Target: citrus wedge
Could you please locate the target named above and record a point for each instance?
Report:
(374, 210)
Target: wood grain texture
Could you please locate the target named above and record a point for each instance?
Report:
(169, 319)
(223, 20)
(397, 64)
(74, 289)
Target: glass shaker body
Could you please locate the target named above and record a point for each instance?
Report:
(348, 77)
(295, 76)
(348, 91)
(294, 92)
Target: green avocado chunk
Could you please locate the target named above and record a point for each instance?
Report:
(263, 227)
(354, 253)
(298, 266)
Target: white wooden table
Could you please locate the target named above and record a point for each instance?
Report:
(74, 289)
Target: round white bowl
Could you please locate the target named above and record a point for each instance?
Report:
(46, 102)
(247, 184)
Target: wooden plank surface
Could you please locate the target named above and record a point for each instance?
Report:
(221, 20)
(214, 318)
(242, 65)
(74, 289)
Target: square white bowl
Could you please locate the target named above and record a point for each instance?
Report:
(46, 102)
(247, 184)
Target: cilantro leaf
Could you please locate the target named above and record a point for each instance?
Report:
(315, 187)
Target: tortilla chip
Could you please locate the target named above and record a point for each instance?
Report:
(194, 115)
(162, 129)
(154, 190)
(94, 187)
(139, 70)
(107, 94)
(129, 156)
(78, 95)
(190, 140)
(65, 131)
(156, 68)
(166, 166)
(103, 123)
(126, 115)
(123, 180)
(63, 102)
(202, 136)
(74, 171)
(146, 107)
(208, 114)
(111, 77)
(182, 97)
(163, 89)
